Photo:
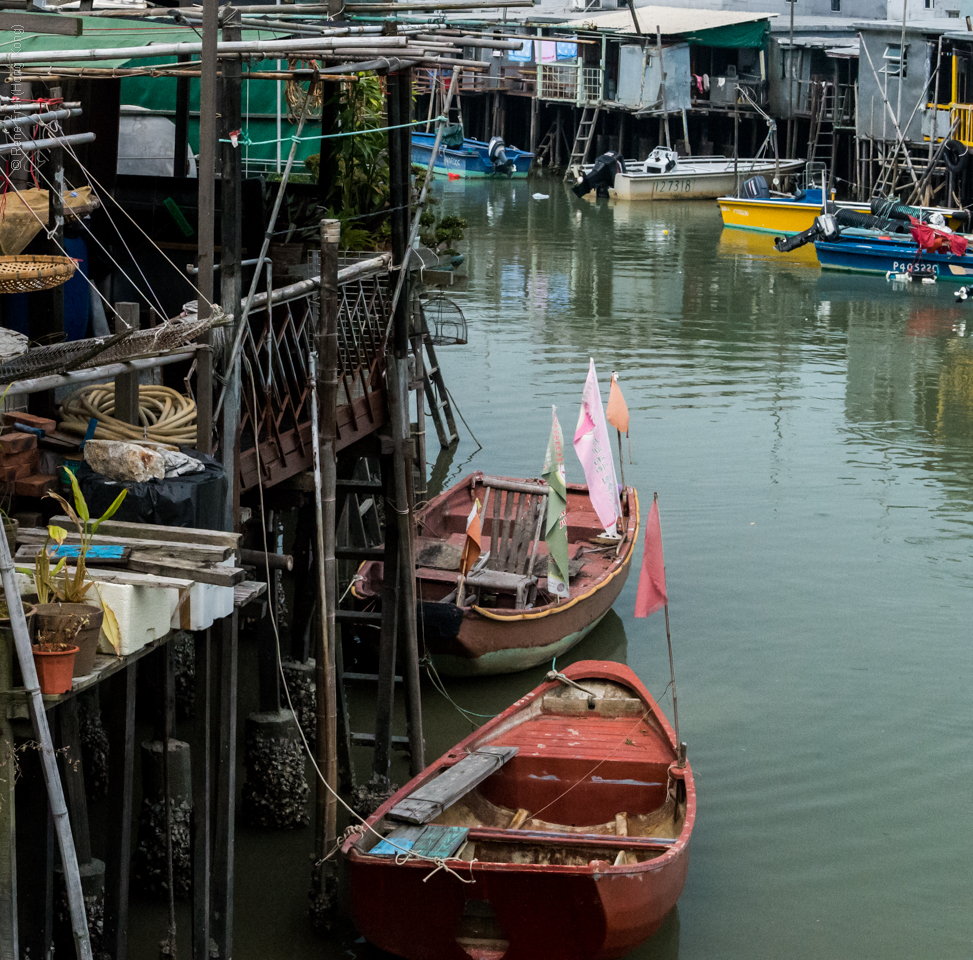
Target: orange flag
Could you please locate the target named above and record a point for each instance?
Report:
(617, 410)
(651, 594)
(471, 549)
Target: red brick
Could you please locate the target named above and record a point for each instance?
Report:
(17, 442)
(36, 486)
(29, 420)
(15, 471)
(27, 456)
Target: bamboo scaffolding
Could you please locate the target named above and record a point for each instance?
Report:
(42, 732)
(313, 46)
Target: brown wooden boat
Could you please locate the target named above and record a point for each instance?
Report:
(506, 620)
(560, 830)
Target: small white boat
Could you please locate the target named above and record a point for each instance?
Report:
(666, 176)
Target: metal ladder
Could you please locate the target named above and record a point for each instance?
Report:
(582, 140)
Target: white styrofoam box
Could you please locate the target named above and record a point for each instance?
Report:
(207, 602)
(143, 612)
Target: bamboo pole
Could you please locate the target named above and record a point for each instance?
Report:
(206, 257)
(414, 232)
(325, 479)
(317, 45)
(672, 668)
(265, 246)
(42, 732)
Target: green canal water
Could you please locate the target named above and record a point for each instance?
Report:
(809, 436)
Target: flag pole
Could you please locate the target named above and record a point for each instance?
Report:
(672, 669)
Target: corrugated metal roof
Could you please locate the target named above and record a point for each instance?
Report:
(669, 20)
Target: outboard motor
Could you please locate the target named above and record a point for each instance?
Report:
(497, 154)
(824, 228)
(756, 189)
(661, 160)
(601, 176)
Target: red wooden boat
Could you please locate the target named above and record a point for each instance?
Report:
(506, 620)
(558, 831)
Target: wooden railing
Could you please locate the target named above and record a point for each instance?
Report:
(276, 414)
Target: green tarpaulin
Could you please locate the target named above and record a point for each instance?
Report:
(158, 94)
(753, 34)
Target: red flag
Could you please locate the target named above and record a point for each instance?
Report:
(651, 594)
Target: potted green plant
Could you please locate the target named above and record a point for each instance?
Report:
(64, 612)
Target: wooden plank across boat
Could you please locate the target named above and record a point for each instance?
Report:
(505, 619)
(574, 847)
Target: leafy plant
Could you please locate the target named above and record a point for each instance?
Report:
(74, 588)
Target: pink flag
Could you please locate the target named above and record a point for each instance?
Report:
(595, 453)
(651, 595)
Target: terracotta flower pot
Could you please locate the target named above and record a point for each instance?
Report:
(75, 623)
(54, 663)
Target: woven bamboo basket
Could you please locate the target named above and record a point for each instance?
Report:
(28, 274)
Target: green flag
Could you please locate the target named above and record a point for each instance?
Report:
(556, 527)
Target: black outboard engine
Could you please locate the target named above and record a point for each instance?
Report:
(756, 188)
(823, 228)
(601, 176)
(497, 154)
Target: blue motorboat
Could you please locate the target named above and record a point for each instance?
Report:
(857, 251)
(472, 158)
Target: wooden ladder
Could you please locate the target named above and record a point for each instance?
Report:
(434, 387)
(545, 149)
(582, 140)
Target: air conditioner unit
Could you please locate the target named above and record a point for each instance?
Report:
(585, 5)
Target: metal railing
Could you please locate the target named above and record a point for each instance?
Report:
(571, 82)
(961, 119)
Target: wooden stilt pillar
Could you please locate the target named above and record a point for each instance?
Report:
(119, 709)
(382, 757)
(202, 796)
(225, 633)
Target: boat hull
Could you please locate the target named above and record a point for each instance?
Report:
(587, 905)
(697, 183)
(486, 641)
(771, 216)
(470, 162)
(884, 256)
(546, 913)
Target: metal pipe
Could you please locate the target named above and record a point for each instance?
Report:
(40, 118)
(18, 146)
(70, 379)
(309, 45)
(21, 107)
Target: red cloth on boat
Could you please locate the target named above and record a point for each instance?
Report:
(937, 241)
(651, 594)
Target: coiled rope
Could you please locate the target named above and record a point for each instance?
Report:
(165, 415)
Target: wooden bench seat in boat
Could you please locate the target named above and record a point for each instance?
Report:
(431, 798)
